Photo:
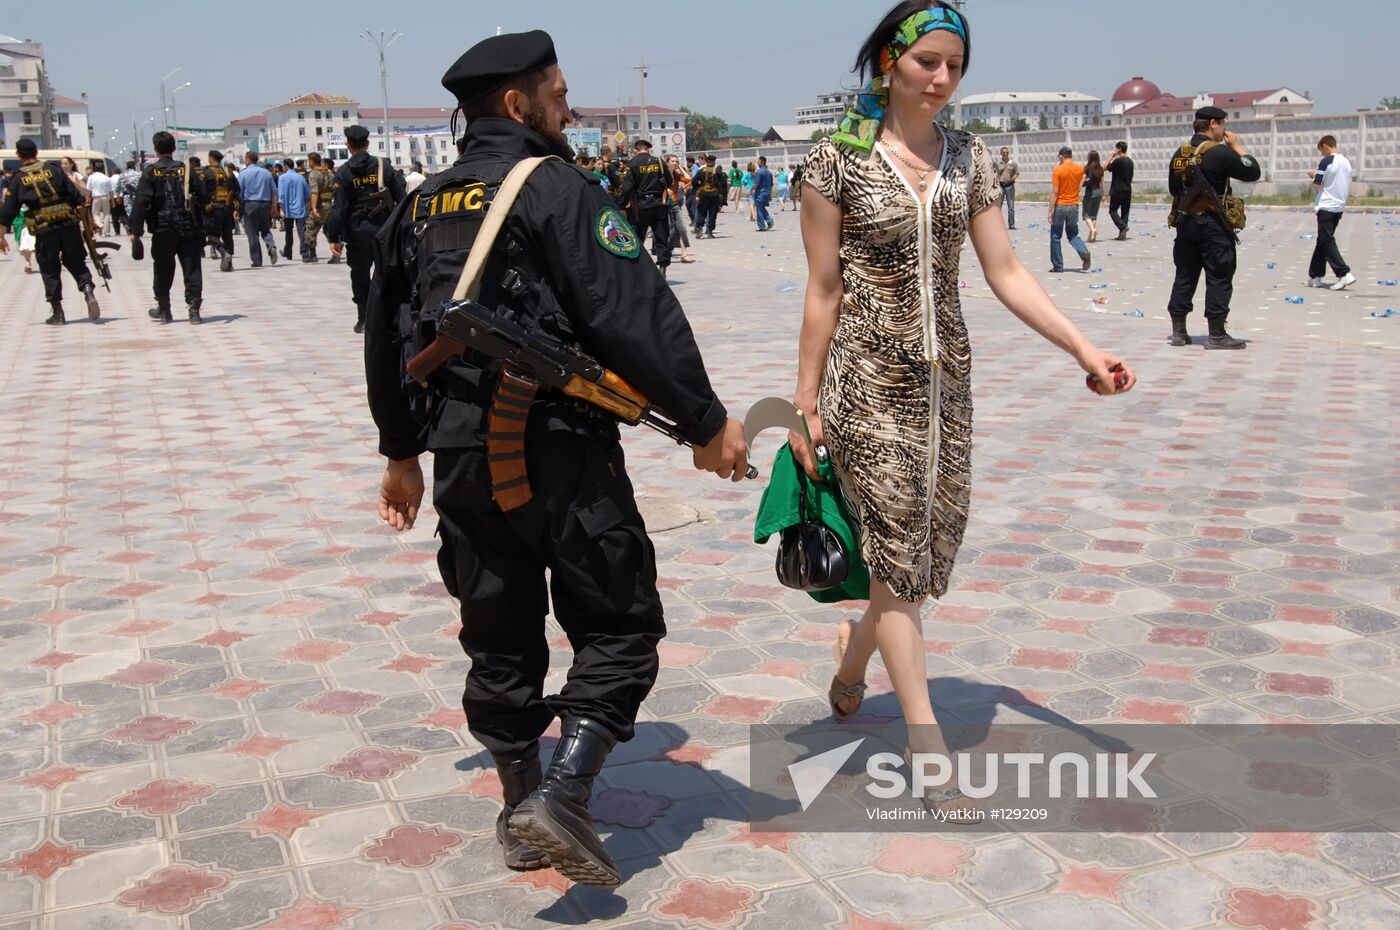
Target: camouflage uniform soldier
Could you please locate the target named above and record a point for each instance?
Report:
(322, 183)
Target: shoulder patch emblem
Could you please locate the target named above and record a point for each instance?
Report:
(615, 234)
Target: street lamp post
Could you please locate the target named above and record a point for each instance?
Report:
(381, 43)
(173, 118)
(162, 92)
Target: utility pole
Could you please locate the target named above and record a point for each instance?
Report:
(957, 94)
(381, 44)
(646, 126)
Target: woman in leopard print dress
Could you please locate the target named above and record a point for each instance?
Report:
(885, 364)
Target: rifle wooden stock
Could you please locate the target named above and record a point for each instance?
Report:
(618, 404)
(422, 365)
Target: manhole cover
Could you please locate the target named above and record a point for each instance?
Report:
(666, 513)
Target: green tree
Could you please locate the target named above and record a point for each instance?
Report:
(701, 131)
(1390, 103)
(979, 128)
(821, 134)
(1020, 125)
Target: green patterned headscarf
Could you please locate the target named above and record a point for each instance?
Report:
(862, 120)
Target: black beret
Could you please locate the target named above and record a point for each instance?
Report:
(642, 143)
(356, 134)
(1210, 113)
(491, 62)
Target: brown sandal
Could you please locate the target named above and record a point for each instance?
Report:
(931, 799)
(838, 693)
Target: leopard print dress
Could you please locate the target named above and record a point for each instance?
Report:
(896, 398)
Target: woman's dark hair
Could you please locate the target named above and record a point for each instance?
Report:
(1094, 168)
(868, 59)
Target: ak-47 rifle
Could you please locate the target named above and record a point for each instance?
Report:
(530, 360)
(95, 247)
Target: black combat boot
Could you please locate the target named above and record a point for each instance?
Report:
(519, 777)
(1219, 339)
(555, 818)
(90, 295)
(1180, 337)
(161, 314)
(225, 259)
(193, 308)
(56, 319)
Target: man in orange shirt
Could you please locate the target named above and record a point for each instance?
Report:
(1063, 218)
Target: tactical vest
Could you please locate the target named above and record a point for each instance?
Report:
(436, 229)
(1196, 197)
(365, 197)
(173, 214)
(707, 182)
(326, 191)
(650, 184)
(48, 209)
(221, 187)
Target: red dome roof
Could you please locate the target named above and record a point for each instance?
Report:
(1137, 89)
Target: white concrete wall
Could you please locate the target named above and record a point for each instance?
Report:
(1286, 147)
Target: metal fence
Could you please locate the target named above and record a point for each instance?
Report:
(1286, 148)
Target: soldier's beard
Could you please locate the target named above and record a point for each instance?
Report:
(538, 120)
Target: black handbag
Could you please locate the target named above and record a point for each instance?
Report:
(810, 556)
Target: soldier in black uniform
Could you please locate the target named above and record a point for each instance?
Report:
(567, 262)
(360, 208)
(170, 203)
(219, 191)
(711, 188)
(55, 210)
(1203, 236)
(644, 194)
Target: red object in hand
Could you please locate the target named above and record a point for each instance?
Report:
(1120, 379)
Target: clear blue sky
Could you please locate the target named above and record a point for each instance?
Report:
(748, 62)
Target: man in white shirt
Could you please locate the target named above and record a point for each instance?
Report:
(413, 178)
(101, 188)
(1333, 182)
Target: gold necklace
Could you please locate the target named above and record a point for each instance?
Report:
(922, 171)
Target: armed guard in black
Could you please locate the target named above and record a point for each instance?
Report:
(367, 187)
(558, 259)
(219, 191)
(1207, 216)
(644, 194)
(170, 204)
(711, 188)
(55, 212)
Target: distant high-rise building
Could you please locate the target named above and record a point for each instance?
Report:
(26, 98)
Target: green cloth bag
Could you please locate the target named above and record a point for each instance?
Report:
(779, 510)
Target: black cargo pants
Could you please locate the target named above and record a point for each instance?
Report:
(61, 246)
(584, 529)
(657, 221)
(218, 228)
(168, 246)
(1202, 243)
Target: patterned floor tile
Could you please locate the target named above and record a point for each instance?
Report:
(230, 700)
